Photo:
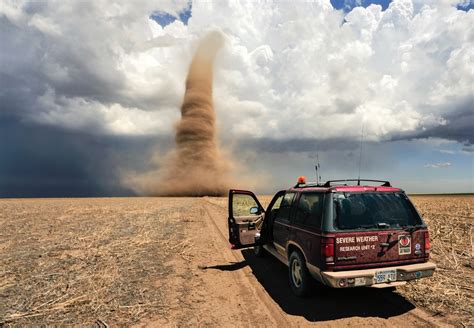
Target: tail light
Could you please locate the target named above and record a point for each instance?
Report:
(427, 242)
(327, 249)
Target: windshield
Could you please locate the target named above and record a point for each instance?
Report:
(374, 210)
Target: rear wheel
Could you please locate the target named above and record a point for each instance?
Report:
(300, 279)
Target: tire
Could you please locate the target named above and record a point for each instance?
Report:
(259, 251)
(300, 279)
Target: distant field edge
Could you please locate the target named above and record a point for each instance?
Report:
(136, 196)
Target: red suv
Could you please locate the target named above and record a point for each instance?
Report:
(341, 234)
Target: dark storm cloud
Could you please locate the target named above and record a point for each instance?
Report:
(49, 160)
(43, 161)
(20, 80)
(468, 149)
(31, 61)
(459, 125)
(73, 64)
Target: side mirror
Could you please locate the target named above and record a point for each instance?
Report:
(254, 210)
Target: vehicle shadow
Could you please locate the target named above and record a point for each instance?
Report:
(324, 303)
(227, 267)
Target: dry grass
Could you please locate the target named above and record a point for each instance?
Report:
(450, 291)
(87, 261)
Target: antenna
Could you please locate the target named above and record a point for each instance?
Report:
(318, 168)
(360, 150)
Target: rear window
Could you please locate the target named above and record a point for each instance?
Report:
(374, 210)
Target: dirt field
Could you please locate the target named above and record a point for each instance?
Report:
(451, 291)
(166, 262)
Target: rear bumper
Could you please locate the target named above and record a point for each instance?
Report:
(367, 277)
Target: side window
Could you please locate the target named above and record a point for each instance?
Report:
(302, 210)
(277, 204)
(309, 210)
(285, 207)
(275, 207)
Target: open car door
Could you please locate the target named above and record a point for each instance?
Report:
(245, 218)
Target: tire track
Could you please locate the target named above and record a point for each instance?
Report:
(245, 276)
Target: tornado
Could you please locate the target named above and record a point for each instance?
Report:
(197, 167)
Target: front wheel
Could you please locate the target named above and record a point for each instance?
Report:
(300, 280)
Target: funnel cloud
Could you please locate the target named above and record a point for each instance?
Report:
(196, 167)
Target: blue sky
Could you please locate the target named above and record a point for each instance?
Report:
(164, 18)
(348, 5)
(466, 5)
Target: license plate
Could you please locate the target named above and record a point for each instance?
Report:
(385, 276)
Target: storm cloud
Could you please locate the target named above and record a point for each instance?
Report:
(45, 161)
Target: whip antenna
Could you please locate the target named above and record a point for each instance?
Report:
(360, 150)
(318, 169)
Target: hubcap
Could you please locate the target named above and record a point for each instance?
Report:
(296, 273)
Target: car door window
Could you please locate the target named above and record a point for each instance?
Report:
(242, 205)
(285, 207)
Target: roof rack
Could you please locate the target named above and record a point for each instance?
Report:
(384, 183)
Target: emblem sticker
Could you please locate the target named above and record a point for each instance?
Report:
(404, 245)
(417, 249)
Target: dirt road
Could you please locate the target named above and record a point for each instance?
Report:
(238, 289)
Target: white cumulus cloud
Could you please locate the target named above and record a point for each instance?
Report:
(288, 70)
(438, 165)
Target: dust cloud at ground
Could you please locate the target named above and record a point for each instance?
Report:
(196, 166)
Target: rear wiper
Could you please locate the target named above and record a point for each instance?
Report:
(383, 225)
(411, 228)
(365, 226)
